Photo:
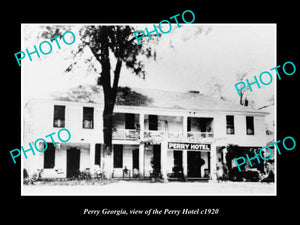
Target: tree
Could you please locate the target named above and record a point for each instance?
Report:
(241, 77)
(214, 88)
(270, 102)
(106, 42)
(121, 42)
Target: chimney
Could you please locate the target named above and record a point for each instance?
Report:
(246, 102)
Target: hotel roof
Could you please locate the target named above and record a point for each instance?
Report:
(154, 98)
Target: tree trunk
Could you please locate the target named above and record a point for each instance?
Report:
(107, 133)
(241, 98)
(109, 100)
(107, 146)
(107, 167)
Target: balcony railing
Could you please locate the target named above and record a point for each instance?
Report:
(199, 135)
(163, 134)
(125, 134)
(133, 134)
(157, 136)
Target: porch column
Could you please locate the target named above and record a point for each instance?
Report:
(184, 163)
(213, 162)
(141, 146)
(92, 158)
(163, 160)
(184, 128)
(184, 152)
(142, 125)
(141, 160)
(224, 155)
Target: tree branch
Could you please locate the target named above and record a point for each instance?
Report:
(265, 106)
(132, 39)
(116, 79)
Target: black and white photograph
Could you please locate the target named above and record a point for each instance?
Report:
(133, 113)
(159, 116)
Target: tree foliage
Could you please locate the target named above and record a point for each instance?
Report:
(126, 96)
(241, 77)
(105, 43)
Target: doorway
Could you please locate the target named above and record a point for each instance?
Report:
(177, 169)
(135, 159)
(73, 162)
(194, 163)
(49, 156)
(156, 158)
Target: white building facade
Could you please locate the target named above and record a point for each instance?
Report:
(183, 142)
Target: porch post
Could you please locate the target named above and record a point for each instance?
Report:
(184, 128)
(213, 163)
(224, 155)
(184, 152)
(141, 146)
(163, 160)
(141, 160)
(92, 158)
(184, 163)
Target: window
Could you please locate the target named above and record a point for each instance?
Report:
(250, 125)
(229, 124)
(197, 124)
(118, 156)
(59, 116)
(129, 121)
(49, 156)
(205, 124)
(153, 122)
(88, 118)
(189, 124)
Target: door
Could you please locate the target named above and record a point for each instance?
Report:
(73, 161)
(194, 162)
(178, 169)
(156, 158)
(135, 159)
(49, 156)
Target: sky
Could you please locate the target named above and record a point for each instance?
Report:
(191, 57)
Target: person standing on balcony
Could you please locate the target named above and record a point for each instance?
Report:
(138, 129)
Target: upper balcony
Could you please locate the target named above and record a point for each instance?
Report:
(126, 134)
(157, 127)
(126, 126)
(199, 128)
(159, 135)
(198, 135)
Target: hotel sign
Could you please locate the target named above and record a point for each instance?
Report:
(188, 146)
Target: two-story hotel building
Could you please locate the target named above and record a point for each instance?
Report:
(186, 134)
